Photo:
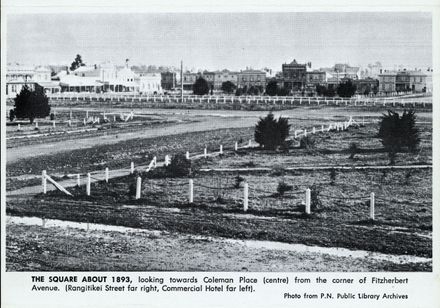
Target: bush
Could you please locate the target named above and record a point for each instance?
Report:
(228, 87)
(238, 180)
(271, 133)
(283, 187)
(398, 132)
(179, 166)
(307, 143)
(201, 87)
(31, 104)
(272, 88)
(346, 89)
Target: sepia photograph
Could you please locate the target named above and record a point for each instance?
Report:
(218, 141)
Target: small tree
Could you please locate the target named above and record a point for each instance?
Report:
(397, 132)
(346, 89)
(76, 63)
(31, 104)
(272, 88)
(201, 86)
(271, 133)
(228, 87)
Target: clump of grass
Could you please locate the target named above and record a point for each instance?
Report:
(249, 164)
(308, 143)
(238, 180)
(332, 176)
(283, 187)
(353, 149)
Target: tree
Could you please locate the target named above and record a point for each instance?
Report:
(271, 133)
(76, 63)
(31, 104)
(346, 89)
(201, 86)
(272, 88)
(397, 132)
(228, 87)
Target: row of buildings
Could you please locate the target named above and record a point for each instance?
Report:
(105, 77)
(294, 78)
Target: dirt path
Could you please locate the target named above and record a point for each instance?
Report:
(96, 250)
(15, 154)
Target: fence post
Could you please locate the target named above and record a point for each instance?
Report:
(53, 124)
(322, 128)
(87, 114)
(106, 174)
(250, 142)
(205, 152)
(313, 130)
(187, 155)
(372, 206)
(167, 160)
(69, 123)
(132, 168)
(246, 197)
(88, 184)
(305, 132)
(155, 161)
(44, 181)
(19, 127)
(138, 187)
(308, 201)
(221, 149)
(236, 146)
(36, 124)
(191, 191)
(78, 180)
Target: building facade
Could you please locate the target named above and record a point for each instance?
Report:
(294, 76)
(387, 81)
(168, 80)
(401, 81)
(251, 78)
(18, 76)
(223, 76)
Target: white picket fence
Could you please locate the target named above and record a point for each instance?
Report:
(153, 164)
(391, 100)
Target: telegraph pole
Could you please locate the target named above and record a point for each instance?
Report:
(181, 80)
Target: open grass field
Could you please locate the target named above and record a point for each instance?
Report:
(340, 209)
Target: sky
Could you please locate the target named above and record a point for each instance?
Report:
(223, 40)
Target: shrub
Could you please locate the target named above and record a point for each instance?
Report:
(346, 89)
(397, 132)
(201, 87)
(228, 87)
(307, 142)
(272, 88)
(271, 133)
(238, 180)
(283, 187)
(179, 166)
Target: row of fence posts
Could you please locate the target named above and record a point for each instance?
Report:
(191, 183)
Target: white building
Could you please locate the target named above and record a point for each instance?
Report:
(17, 76)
